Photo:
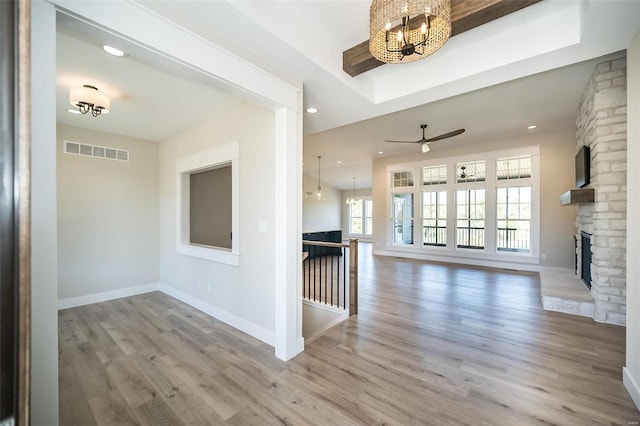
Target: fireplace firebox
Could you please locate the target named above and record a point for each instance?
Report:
(585, 260)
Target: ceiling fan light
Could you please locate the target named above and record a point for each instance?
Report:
(425, 147)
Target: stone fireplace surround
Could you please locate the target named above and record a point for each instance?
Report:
(602, 126)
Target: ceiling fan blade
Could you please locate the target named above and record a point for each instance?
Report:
(446, 135)
(404, 141)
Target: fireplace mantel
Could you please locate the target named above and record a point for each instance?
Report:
(578, 196)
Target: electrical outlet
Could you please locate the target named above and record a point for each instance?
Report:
(543, 256)
(198, 284)
(209, 287)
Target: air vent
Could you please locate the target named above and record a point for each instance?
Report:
(111, 154)
(72, 148)
(86, 149)
(95, 151)
(98, 151)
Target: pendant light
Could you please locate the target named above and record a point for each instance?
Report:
(319, 188)
(352, 200)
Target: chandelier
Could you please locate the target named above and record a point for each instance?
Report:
(407, 30)
(352, 200)
(88, 98)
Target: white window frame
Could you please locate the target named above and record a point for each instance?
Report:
(437, 189)
(402, 190)
(368, 234)
(513, 220)
(364, 234)
(185, 166)
(489, 255)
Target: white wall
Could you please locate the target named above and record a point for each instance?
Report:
(632, 369)
(44, 264)
(107, 215)
(322, 215)
(557, 152)
(244, 293)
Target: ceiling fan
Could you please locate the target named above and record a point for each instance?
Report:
(463, 173)
(424, 142)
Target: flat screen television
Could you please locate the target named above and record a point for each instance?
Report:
(583, 167)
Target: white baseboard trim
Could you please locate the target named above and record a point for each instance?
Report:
(632, 386)
(324, 307)
(252, 329)
(557, 269)
(300, 344)
(73, 302)
(489, 263)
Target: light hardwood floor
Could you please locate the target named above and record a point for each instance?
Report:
(433, 344)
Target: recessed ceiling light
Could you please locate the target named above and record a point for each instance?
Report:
(380, 152)
(113, 51)
(312, 110)
(339, 162)
(73, 111)
(531, 127)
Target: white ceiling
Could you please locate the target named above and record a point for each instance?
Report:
(493, 80)
(147, 101)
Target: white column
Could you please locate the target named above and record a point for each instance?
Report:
(288, 235)
(44, 245)
(631, 374)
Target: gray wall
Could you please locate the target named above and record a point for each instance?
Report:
(107, 215)
(210, 207)
(557, 176)
(247, 291)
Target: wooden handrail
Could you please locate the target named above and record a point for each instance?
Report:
(324, 243)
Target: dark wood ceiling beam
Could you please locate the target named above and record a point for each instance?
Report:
(465, 15)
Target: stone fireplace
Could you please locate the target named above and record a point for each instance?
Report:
(602, 126)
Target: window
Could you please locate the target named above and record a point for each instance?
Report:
(210, 207)
(513, 168)
(368, 209)
(360, 217)
(484, 207)
(355, 221)
(434, 218)
(470, 214)
(514, 219)
(434, 175)
(403, 218)
(475, 171)
(207, 197)
(402, 179)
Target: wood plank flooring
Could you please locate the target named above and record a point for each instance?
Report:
(433, 344)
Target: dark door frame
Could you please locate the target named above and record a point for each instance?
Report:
(14, 212)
